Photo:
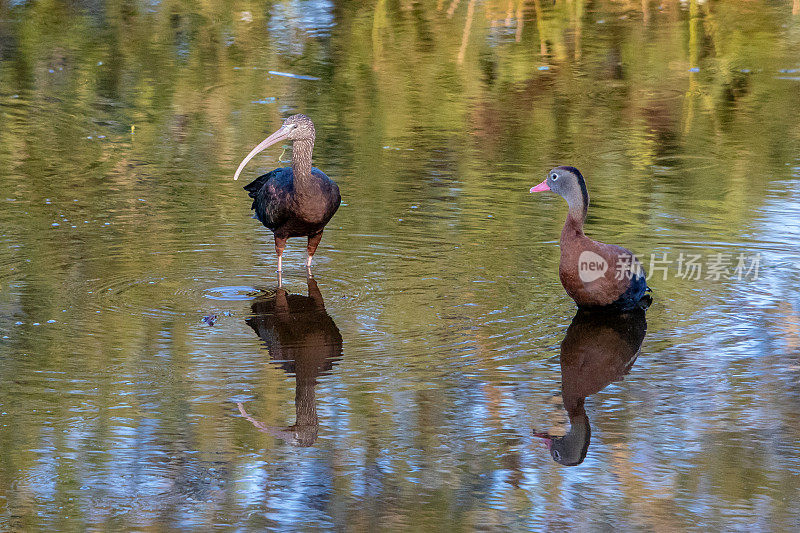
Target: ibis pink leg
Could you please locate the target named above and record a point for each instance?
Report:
(313, 242)
(280, 245)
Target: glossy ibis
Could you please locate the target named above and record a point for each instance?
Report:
(594, 274)
(294, 201)
(303, 340)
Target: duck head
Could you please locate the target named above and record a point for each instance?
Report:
(295, 128)
(569, 183)
(570, 450)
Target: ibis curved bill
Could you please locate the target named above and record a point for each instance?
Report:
(279, 135)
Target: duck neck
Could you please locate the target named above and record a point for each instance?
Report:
(573, 227)
(575, 443)
(579, 434)
(578, 203)
(301, 160)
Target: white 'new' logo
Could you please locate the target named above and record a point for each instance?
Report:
(591, 266)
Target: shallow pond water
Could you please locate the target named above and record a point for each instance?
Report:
(153, 377)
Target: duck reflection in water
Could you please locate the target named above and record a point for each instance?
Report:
(598, 349)
(303, 340)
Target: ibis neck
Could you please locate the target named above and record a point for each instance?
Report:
(305, 404)
(301, 159)
(306, 425)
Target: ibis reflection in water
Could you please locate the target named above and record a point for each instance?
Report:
(294, 201)
(303, 340)
(598, 349)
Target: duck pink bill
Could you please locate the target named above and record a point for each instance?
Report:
(541, 187)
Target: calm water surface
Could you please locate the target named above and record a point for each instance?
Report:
(403, 388)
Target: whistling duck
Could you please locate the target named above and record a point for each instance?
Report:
(598, 349)
(594, 274)
(294, 201)
(303, 339)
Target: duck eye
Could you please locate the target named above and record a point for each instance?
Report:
(554, 176)
(556, 455)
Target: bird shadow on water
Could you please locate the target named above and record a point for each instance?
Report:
(302, 339)
(598, 349)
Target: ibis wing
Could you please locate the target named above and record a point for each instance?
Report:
(271, 194)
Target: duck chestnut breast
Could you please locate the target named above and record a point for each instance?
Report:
(594, 274)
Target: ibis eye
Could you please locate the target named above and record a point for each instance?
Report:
(554, 176)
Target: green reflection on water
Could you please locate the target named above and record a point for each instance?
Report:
(121, 125)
